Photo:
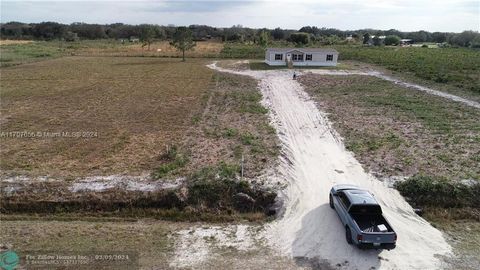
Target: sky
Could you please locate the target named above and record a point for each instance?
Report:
(404, 15)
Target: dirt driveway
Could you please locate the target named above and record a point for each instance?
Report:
(313, 159)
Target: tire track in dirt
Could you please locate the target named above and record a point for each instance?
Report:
(314, 158)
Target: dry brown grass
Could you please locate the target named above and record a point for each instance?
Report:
(154, 242)
(150, 240)
(160, 48)
(136, 106)
(10, 41)
(463, 235)
(234, 124)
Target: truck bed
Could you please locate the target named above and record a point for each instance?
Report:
(368, 223)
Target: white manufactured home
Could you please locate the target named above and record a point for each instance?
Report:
(301, 57)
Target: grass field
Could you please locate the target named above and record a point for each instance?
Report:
(155, 244)
(234, 124)
(455, 70)
(398, 131)
(456, 67)
(15, 53)
(451, 69)
(130, 109)
(76, 117)
(245, 51)
(158, 48)
(149, 243)
(464, 236)
(19, 52)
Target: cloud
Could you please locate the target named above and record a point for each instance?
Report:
(195, 6)
(406, 15)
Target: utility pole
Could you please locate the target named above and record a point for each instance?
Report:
(242, 167)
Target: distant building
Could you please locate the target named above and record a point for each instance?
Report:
(301, 57)
(134, 39)
(381, 40)
(405, 42)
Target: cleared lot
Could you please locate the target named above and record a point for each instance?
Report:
(128, 110)
(15, 52)
(128, 113)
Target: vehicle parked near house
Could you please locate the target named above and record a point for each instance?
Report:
(361, 215)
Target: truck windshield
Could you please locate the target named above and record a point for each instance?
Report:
(365, 209)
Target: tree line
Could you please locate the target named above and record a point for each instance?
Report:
(236, 33)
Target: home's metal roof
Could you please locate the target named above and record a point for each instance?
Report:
(358, 196)
(304, 50)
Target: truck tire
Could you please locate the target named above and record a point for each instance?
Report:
(330, 201)
(348, 235)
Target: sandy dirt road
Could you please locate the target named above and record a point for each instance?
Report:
(313, 159)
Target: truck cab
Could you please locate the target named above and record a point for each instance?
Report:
(362, 217)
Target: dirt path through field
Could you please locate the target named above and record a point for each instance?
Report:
(314, 158)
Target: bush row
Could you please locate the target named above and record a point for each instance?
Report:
(427, 191)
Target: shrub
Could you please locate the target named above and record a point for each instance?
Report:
(300, 38)
(230, 132)
(392, 40)
(216, 188)
(439, 192)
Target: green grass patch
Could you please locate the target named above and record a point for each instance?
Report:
(230, 132)
(239, 50)
(248, 138)
(15, 54)
(173, 159)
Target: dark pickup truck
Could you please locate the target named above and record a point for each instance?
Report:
(361, 215)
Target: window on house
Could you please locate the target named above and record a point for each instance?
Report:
(329, 57)
(278, 56)
(308, 57)
(297, 57)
